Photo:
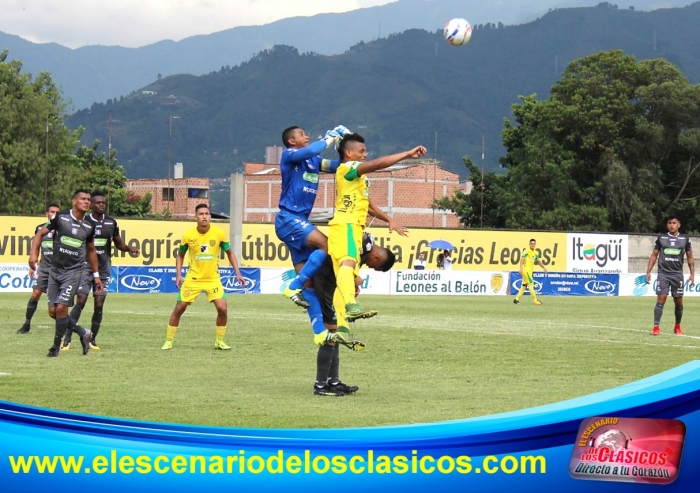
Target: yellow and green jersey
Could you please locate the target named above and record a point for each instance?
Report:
(352, 195)
(204, 249)
(530, 256)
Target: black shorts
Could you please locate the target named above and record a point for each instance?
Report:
(87, 283)
(42, 278)
(63, 286)
(324, 286)
(673, 283)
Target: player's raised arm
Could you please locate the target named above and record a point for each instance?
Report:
(386, 161)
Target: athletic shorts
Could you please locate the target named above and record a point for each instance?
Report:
(527, 277)
(675, 284)
(345, 243)
(324, 286)
(87, 283)
(294, 230)
(191, 289)
(42, 278)
(63, 286)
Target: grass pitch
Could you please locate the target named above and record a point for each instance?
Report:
(428, 359)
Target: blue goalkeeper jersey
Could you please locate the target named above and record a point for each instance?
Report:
(300, 169)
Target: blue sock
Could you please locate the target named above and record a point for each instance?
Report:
(314, 310)
(311, 267)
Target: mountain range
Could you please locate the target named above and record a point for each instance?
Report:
(96, 73)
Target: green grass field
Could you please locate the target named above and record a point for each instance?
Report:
(428, 359)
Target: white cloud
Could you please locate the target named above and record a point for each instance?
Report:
(135, 23)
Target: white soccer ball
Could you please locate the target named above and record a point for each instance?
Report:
(458, 32)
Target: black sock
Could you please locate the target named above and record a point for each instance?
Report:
(76, 328)
(333, 375)
(61, 328)
(679, 314)
(31, 308)
(658, 311)
(96, 322)
(323, 364)
(75, 313)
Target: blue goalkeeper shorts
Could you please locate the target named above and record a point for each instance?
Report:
(294, 230)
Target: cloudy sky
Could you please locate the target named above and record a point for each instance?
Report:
(134, 23)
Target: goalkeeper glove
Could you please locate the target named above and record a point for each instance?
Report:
(331, 137)
(342, 130)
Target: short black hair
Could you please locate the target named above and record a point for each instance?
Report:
(532, 239)
(52, 205)
(672, 216)
(287, 134)
(344, 141)
(78, 192)
(389, 262)
(200, 206)
(97, 193)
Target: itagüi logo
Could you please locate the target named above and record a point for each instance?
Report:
(633, 450)
(601, 254)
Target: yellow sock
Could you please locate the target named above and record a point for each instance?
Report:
(170, 333)
(220, 332)
(339, 306)
(346, 283)
(531, 288)
(520, 292)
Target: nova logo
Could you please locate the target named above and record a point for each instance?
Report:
(600, 254)
(140, 282)
(231, 284)
(599, 287)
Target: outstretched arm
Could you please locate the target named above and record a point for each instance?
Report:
(386, 161)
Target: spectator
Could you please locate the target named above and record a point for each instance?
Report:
(420, 262)
(446, 260)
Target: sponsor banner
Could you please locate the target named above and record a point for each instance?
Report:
(440, 282)
(158, 242)
(162, 280)
(14, 278)
(273, 281)
(636, 285)
(628, 450)
(570, 284)
(597, 253)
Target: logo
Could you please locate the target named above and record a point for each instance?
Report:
(71, 242)
(672, 251)
(231, 284)
(631, 450)
(496, 282)
(100, 242)
(595, 286)
(203, 248)
(310, 177)
(140, 282)
(212, 243)
(204, 257)
(287, 277)
(74, 231)
(601, 253)
(640, 286)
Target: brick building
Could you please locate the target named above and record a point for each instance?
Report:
(179, 195)
(404, 191)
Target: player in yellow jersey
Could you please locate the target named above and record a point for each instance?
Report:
(203, 244)
(528, 260)
(351, 207)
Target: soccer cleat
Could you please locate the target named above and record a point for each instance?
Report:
(168, 345)
(24, 329)
(323, 338)
(516, 301)
(54, 351)
(85, 342)
(94, 346)
(328, 391)
(353, 311)
(296, 296)
(65, 346)
(655, 330)
(537, 302)
(353, 344)
(221, 345)
(347, 389)
(677, 330)
(345, 332)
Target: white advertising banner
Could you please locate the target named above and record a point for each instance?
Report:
(14, 278)
(597, 253)
(440, 282)
(635, 285)
(274, 280)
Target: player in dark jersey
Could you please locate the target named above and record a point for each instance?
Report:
(669, 249)
(106, 232)
(73, 242)
(328, 359)
(41, 275)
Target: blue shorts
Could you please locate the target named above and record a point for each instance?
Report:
(294, 230)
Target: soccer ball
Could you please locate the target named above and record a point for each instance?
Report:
(458, 32)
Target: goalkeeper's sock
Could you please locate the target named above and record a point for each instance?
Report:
(311, 267)
(314, 310)
(521, 291)
(323, 364)
(75, 313)
(531, 288)
(346, 283)
(170, 333)
(220, 332)
(658, 312)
